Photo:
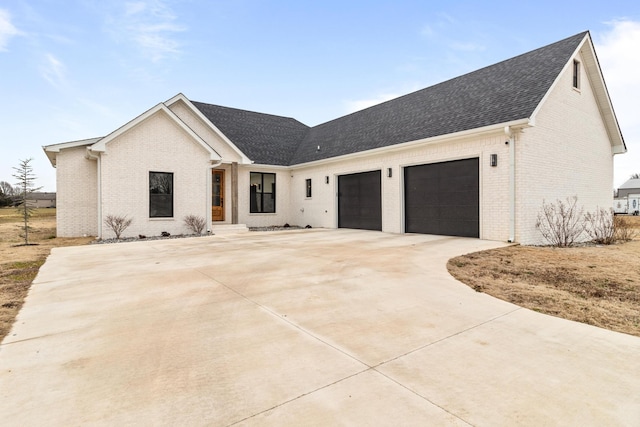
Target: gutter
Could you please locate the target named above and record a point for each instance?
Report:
(90, 155)
(511, 141)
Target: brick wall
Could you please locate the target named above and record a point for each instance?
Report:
(321, 209)
(77, 194)
(155, 145)
(566, 153)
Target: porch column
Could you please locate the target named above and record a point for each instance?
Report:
(234, 192)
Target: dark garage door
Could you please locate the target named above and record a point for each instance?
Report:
(360, 201)
(443, 198)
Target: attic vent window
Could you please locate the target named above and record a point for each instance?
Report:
(576, 74)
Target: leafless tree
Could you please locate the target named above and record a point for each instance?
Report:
(161, 183)
(25, 186)
(117, 224)
(7, 194)
(560, 223)
(6, 189)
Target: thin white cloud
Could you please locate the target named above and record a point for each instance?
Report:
(445, 31)
(619, 65)
(7, 29)
(467, 46)
(53, 71)
(360, 104)
(151, 25)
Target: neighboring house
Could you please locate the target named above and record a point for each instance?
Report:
(473, 156)
(632, 186)
(42, 200)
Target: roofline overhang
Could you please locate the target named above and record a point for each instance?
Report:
(101, 145)
(603, 100)
(181, 97)
(52, 150)
(499, 127)
(267, 166)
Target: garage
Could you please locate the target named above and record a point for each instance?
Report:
(360, 201)
(443, 198)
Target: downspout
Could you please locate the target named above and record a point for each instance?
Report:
(511, 141)
(96, 157)
(208, 198)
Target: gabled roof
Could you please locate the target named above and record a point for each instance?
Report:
(632, 183)
(264, 138)
(41, 196)
(101, 144)
(504, 93)
(510, 92)
(500, 93)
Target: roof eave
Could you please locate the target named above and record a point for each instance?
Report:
(181, 97)
(498, 127)
(52, 150)
(101, 145)
(594, 72)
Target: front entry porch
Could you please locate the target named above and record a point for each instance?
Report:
(224, 189)
(219, 228)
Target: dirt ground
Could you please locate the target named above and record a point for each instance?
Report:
(19, 264)
(597, 285)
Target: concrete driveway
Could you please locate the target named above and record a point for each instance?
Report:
(313, 327)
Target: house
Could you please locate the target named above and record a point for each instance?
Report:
(632, 186)
(39, 199)
(474, 156)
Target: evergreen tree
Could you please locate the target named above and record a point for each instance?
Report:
(25, 187)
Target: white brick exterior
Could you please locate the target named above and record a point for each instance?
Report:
(567, 153)
(564, 151)
(155, 145)
(77, 194)
(321, 209)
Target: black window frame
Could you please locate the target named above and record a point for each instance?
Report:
(258, 203)
(308, 188)
(576, 74)
(161, 199)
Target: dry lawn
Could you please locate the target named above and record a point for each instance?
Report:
(19, 264)
(597, 285)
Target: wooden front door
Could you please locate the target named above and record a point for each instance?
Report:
(217, 196)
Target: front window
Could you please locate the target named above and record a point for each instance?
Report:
(576, 74)
(263, 192)
(160, 195)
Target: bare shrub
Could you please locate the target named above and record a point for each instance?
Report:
(600, 226)
(117, 224)
(560, 223)
(195, 223)
(623, 229)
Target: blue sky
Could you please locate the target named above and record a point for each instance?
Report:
(77, 69)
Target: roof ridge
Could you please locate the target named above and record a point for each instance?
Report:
(582, 34)
(248, 111)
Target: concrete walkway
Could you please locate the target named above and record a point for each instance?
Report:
(313, 327)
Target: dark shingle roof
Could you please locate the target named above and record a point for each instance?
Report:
(264, 138)
(500, 93)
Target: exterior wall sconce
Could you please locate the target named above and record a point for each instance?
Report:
(389, 172)
(326, 179)
(493, 160)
